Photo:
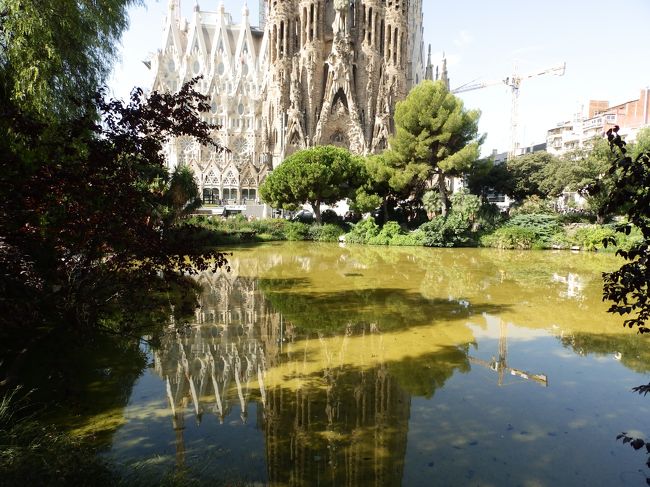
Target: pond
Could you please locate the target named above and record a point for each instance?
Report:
(312, 364)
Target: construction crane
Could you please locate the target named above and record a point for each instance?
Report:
(514, 82)
(500, 364)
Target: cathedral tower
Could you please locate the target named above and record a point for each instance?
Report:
(335, 71)
(316, 72)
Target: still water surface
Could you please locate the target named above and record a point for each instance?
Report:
(318, 365)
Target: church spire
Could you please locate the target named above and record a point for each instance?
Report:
(445, 75)
(174, 10)
(429, 71)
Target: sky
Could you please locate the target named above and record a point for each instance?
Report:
(604, 44)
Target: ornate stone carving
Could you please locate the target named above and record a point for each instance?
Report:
(322, 72)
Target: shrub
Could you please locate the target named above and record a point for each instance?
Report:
(274, 228)
(330, 216)
(510, 237)
(453, 231)
(544, 226)
(390, 230)
(296, 231)
(591, 237)
(363, 231)
(325, 233)
(627, 242)
(412, 239)
(433, 233)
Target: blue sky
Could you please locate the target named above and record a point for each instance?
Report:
(605, 46)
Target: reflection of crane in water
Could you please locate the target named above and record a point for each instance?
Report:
(500, 364)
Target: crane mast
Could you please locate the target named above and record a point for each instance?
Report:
(514, 83)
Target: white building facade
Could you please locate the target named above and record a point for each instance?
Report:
(317, 72)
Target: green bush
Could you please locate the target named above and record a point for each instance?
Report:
(453, 231)
(591, 237)
(510, 237)
(296, 231)
(330, 216)
(325, 233)
(544, 226)
(387, 233)
(412, 239)
(363, 231)
(626, 242)
(275, 228)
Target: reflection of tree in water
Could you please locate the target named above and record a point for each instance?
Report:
(628, 348)
(87, 379)
(325, 419)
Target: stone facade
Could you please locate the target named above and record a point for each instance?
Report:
(318, 72)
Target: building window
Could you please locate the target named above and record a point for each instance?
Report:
(210, 196)
(248, 194)
(229, 194)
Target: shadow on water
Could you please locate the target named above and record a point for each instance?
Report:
(384, 308)
(82, 381)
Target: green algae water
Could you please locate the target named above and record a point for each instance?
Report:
(313, 364)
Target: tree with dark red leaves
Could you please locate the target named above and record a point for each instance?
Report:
(84, 200)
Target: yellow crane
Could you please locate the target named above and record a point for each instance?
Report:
(500, 364)
(514, 82)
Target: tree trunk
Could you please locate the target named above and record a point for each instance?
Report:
(384, 206)
(316, 207)
(444, 199)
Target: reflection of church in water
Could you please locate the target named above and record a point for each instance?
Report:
(351, 429)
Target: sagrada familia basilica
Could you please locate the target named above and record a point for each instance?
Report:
(313, 72)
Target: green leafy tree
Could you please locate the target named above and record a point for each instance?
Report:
(486, 177)
(181, 195)
(528, 173)
(436, 138)
(594, 169)
(376, 189)
(629, 287)
(320, 175)
(641, 144)
(54, 54)
(579, 170)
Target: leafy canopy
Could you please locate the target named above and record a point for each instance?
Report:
(628, 287)
(319, 175)
(56, 53)
(528, 174)
(435, 135)
(87, 200)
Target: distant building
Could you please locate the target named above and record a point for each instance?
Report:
(580, 132)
